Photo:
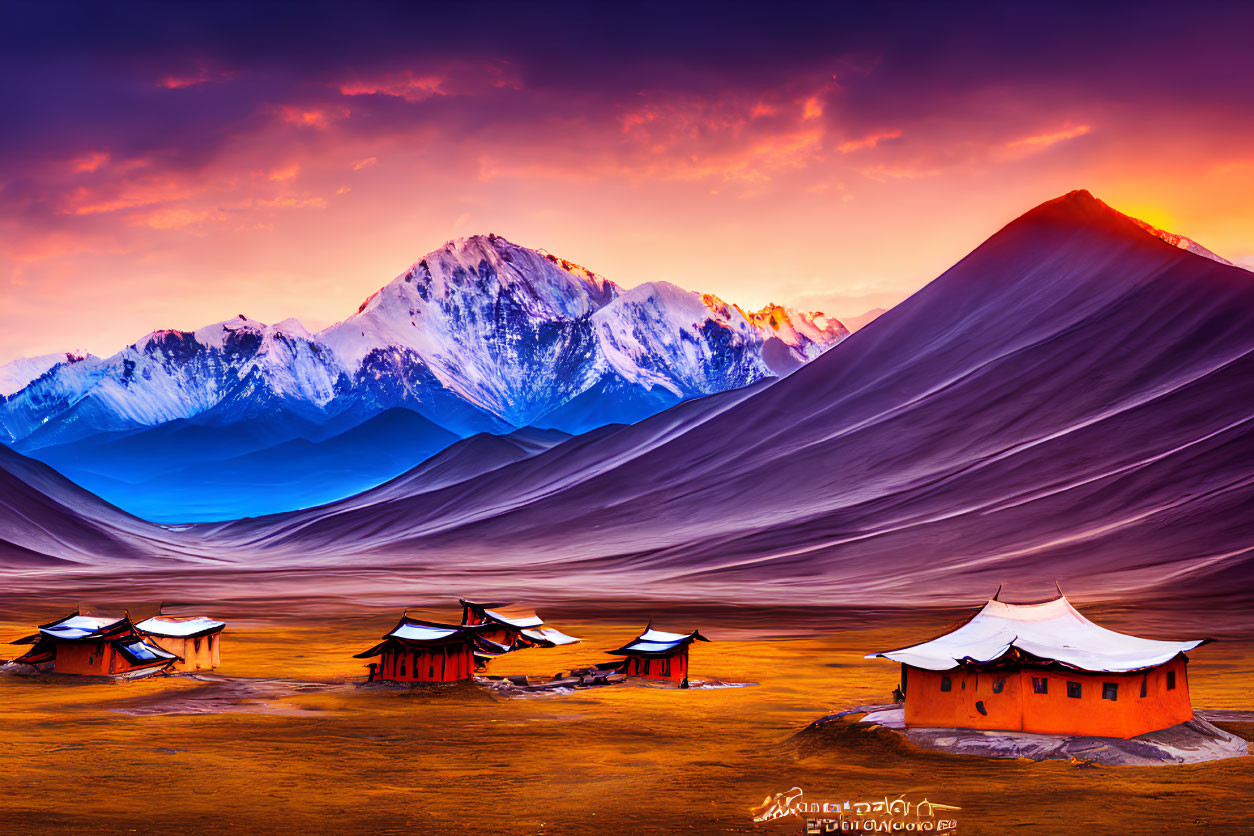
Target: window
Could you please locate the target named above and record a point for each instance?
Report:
(1040, 685)
(999, 684)
(1171, 680)
(1144, 686)
(1074, 690)
(946, 683)
(979, 706)
(1110, 691)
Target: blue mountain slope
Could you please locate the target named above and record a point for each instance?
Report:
(233, 475)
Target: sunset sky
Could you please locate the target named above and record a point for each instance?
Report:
(167, 169)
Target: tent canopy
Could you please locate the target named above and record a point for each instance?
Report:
(1053, 631)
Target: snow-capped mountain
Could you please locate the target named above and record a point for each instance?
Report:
(18, 374)
(479, 335)
(168, 375)
(1178, 241)
(520, 333)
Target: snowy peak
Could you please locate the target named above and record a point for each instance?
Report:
(1080, 206)
(809, 332)
(18, 374)
(172, 374)
(1180, 242)
(489, 262)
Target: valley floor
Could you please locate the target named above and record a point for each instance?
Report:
(103, 757)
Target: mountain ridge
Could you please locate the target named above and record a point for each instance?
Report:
(481, 335)
(411, 345)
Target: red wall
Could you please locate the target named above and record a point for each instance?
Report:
(446, 663)
(672, 667)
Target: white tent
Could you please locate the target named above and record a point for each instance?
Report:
(1052, 631)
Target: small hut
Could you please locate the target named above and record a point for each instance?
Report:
(94, 646)
(655, 654)
(196, 641)
(511, 626)
(1047, 669)
(423, 651)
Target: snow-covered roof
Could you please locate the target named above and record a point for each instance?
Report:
(163, 626)
(515, 618)
(79, 626)
(658, 641)
(1053, 631)
(550, 635)
(417, 631)
(421, 633)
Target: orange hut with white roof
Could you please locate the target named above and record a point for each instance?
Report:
(90, 645)
(423, 651)
(196, 641)
(1047, 669)
(656, 654)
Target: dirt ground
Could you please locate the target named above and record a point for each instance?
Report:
(290, 744)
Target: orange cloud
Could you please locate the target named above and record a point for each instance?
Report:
(812, 109)
(1033, 144)
(869, 141)
(366, 163)
(404, 85)
(149, 191)
(278, 175)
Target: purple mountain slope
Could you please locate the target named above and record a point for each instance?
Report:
(1072, 400)
(47, 521)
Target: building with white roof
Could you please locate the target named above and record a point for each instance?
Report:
(1044, 668)
(423, 651)
(197, 641)
(89, 645)
(656, 654)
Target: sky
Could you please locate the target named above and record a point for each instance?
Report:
(169, 167)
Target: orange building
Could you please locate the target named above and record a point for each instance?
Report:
(511, 626)
(196, 641)
(423, 651)
(1047, 669)
(655, 654)
(94, 646)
